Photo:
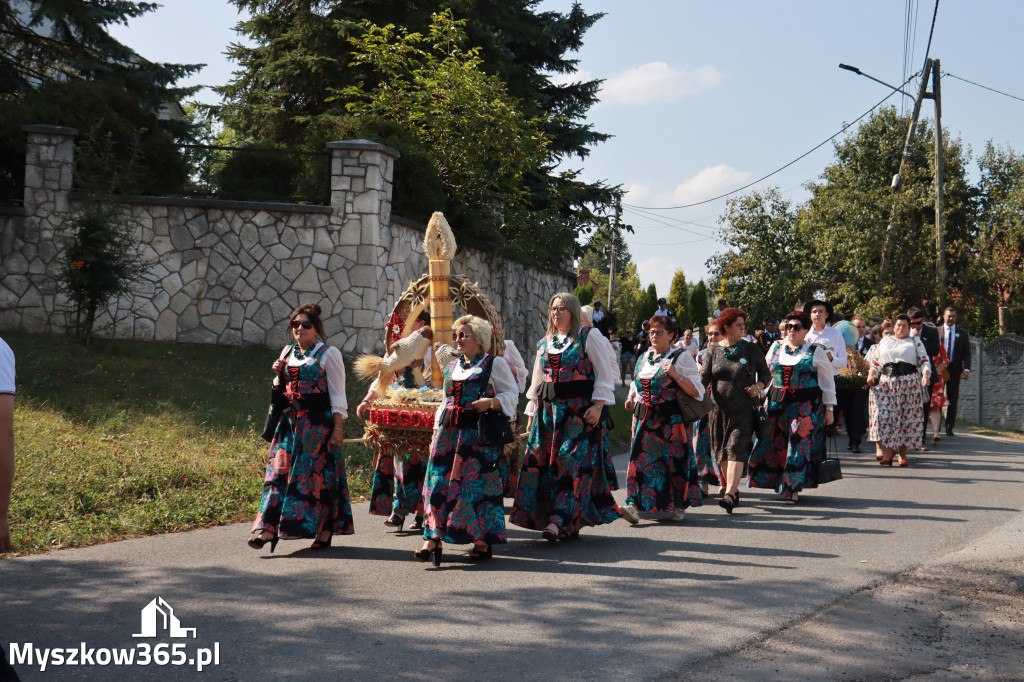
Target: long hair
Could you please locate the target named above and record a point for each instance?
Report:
(480, 327)
(573, 304)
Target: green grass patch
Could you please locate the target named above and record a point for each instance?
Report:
(126, 439)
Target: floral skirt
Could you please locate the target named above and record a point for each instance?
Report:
(305, 489)
(785, 461)
(895, 412)
(398, 484)
(462, 494)
(662, 465)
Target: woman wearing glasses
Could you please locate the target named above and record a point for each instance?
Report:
(565, 483)
(462, 495)
(707, 467)
(305, 492)
(802, 382)
(736, 371)
(662, 466)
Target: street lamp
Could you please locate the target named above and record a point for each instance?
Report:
(857, 71)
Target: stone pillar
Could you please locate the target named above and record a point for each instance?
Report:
(49, 162)
(362, 174)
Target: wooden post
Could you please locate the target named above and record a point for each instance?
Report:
(940, 237)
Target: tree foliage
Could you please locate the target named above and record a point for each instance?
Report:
(301, 50)
(699, 303)
(585, 294)
(1000, 244)
(832, 246)
(679, 298)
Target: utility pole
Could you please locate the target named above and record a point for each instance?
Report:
(940, 237)
(897, 181)
(611, 265)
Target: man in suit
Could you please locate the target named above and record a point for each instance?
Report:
(769, 335)
(957, 342)
(863, 338)
(930, 339)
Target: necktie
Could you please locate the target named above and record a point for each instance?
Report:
(949, 342)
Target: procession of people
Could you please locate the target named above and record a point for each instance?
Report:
(733, 408)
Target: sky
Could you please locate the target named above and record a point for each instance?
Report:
(702, 98)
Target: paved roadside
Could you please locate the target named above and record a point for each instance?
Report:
(819, 589)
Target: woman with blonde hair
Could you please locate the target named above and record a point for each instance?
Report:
(462, 495)
(566, 480)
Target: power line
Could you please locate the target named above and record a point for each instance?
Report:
(984, 87)
(675, 227)
(777, 170)
(931, 32)
(651, 216)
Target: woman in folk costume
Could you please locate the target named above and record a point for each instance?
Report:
(565, 483)
(802, 385)
(707, 464)
(305, 491)
(662, 464)
(398, 479)
(462, 495)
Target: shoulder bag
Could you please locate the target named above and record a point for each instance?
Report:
(693, 410)
(493, 426)
(277, 404)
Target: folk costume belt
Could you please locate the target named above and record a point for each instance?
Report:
(898, 369)
(551, 391)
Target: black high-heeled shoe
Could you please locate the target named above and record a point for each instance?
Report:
(478, 554)
(728, 502)
(424, 554)
(256, 542)
(321, 544)
(417, 523)
(395, 521)
(550, 535)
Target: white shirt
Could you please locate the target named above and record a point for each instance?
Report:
(601, 355)
(6, 368)
(690, 348)
(515, 361)
(598, 316)
(826, 380)
(506, 390)
(891, 349)
(831, 339)
(685, 366)
(661, 313)
(333, 365)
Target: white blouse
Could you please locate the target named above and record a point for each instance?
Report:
(333, 365)
(516, 362)
(892, 349)
(685, 366)
(826, 380)
(601, 355)
(506, 390)
(832, 340)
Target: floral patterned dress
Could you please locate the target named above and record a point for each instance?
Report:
(662, 475)
(786, 459)
(895, 408)
(708, 470)
(305, 490)
(462, 495)
(566, 477)
(939, 387)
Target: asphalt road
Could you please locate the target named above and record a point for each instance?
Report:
(656, 600)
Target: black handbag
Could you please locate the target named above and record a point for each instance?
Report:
(762, 425)
(277, 404)
(493, 426)
(828, 469)
(693, 410)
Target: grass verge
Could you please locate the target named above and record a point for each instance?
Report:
(127, 439)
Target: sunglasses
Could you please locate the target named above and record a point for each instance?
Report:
(794, 327)
(305, 324)
(461, 335)
(917, 323)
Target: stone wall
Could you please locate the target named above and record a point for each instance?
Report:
(992, 396)
(229, 272)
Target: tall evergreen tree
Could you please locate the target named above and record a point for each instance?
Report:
(301, 53)
(699, 303)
